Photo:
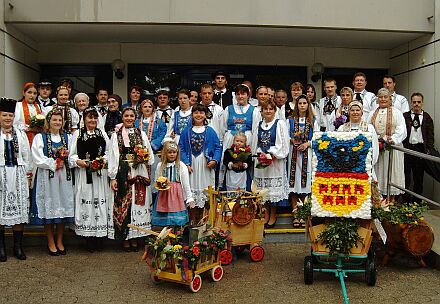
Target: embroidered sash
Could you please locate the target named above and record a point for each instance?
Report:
(295, 154)
(389, 122)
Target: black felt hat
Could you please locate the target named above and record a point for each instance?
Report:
(45, 83)
(7, 105)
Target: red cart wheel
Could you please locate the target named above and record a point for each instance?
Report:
(225, 257)
(217, 273)
(196, 283)
(257, 254)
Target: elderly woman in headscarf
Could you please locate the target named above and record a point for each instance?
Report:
(389, 124)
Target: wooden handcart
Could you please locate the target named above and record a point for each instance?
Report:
(242, 214)
(360, 260)
(175, 272)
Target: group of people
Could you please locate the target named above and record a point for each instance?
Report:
(101, 168)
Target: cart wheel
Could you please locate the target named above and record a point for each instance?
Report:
(256, 254)
(371, 273)
(217, 273)
(196, 283)
(225, 257)
(155, 278)
(308, 270)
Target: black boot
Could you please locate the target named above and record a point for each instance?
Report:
(3, 256)
(18, 250)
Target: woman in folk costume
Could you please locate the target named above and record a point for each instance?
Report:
(181, 118)
(154, 127)
(390, 127)
(89, 154)
(28, 111)
(200, 150)
(272, 138)
(170, 208)
(130, 154)
(356, 124)
(301, 126)
(70, 115)
(81, 101)
(113, 117)
(14, 167)
(52, 200)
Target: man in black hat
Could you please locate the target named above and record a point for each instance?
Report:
(222, 95)
(44, 92)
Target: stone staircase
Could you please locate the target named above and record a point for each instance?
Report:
(283, 232)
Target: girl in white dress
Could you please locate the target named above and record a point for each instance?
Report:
(14, 166)
(89, 154)
(131, 200)
(52, 199)
(272, 137)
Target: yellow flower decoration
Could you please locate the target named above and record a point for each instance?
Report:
(322, 145)
(177, 247)
(361, 145)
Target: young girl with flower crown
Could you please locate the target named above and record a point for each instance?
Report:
(237, 160)
(172, 181)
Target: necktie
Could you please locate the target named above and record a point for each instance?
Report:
(165, 116)
(329, 107)
(358, 96)
(102, 111)
(416, 121)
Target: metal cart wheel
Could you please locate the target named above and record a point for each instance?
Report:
(308, 270)
(256, 254)
(370, 273)
(225, 257)
(217, 273)
(196, 283)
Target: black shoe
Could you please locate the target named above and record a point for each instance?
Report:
(99, 243)
(18, 249)
(52, 253)
(269, 226)
(90, 243)
(61, 252)
(3, 256)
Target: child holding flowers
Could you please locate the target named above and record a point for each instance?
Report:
(237, 160)
(301, 125)
(172, 181)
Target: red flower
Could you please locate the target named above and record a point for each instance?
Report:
(196, 251)
(185, 248)
(95, 164)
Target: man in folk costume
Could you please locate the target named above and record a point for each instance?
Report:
(102, 106)
(222, 95)
(215, 112)
(368, 99)
(328, 105)
(398, 101)
(420, 129)
(14, 174)
(391, 130)
(44, 92)
(164, 111)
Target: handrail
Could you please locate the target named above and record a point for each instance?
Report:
(414, 153)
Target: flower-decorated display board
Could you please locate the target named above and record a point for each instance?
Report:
(341, 174)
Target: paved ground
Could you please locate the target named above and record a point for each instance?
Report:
(116, 277)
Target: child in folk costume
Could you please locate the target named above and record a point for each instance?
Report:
(181, 118)
(237, 160)
(170, 208)
(52, 199)
(89, 154)
(14, 167)
(271, 139)
(201, 152)
(299, 168)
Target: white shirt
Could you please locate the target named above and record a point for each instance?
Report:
(325, 120)
(416, 134)
(369, 102)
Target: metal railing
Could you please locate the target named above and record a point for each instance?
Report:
(390, 165)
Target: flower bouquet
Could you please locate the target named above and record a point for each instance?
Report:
(162, 183)
(36, 123)
(61, 153)
(140, 156)
(240, 154)
(299, 137)
(264, 160)
(97, 165)
(340, 121)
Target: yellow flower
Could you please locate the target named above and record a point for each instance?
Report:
(322, 145)
(234, 155)
(361, 144)
(177, 247)
(422, 218)
(410, 215)
(415, 222)
(242, 149)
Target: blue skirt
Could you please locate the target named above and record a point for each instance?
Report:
(162, 219)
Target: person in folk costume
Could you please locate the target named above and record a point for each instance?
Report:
(390, 127)
(280, 98)
(215, 113)
(240, 117)
(28, 108)
(135, 96)
(194, 99)
(164, 111)
(102, 106)
(341, 114)
(44, 92)
(357, 124)
(170, 208)
(155, 129)
(70, 115)
(201, 151)
(15, 170)
(131, 202)
(52, 201)
(327, 106)
(89, 153)
(301, 125)
(222, 94)
(272, 137)
(360, 93)
(113, 117)
(81, 103)
(311, 96)
(181, 118)
(237, 171)
(286, 111)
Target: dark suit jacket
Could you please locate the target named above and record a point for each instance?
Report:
(226, 98)
(427, 130)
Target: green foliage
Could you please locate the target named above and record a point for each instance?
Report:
(340, 236)
(406, 213)
(304, 209)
